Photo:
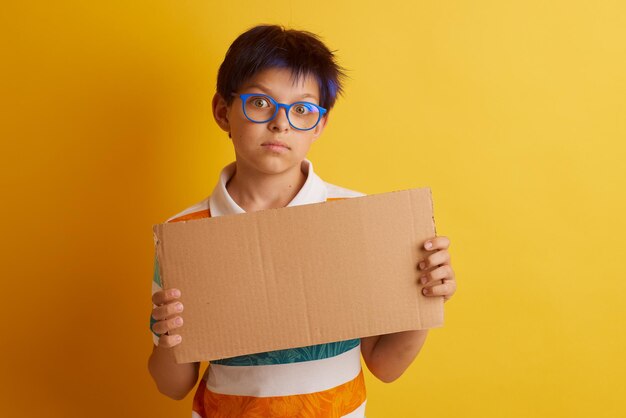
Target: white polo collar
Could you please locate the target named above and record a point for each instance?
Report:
(313, 191)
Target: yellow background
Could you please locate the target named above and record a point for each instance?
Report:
(513, 112)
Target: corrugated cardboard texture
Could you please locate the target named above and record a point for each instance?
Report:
(298, 276)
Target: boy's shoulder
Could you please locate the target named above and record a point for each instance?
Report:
(202, 209)
(198, 211)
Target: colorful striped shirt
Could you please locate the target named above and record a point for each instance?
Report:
(322, 380)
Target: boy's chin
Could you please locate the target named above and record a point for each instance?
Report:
(275, 166)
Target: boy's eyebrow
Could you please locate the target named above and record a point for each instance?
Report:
(268, 91)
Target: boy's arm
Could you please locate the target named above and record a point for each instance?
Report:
(172, 379)
(388, 356)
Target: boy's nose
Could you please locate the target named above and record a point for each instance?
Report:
(280, 122)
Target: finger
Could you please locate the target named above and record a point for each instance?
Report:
(445, 289)
(437, 243)
(168, 341)
(161, 327)
(167, 311)
(165, 296)
(438, 274)
(435, 259)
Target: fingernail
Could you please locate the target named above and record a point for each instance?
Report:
(178, 338)
(425, 291)
(178, 321)
(179, 307)
(176, 293)
(422, 265)
(428, 245)
(423, 279)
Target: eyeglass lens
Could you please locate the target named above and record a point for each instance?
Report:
(301, 115)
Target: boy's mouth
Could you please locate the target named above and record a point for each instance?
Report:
(275, 145)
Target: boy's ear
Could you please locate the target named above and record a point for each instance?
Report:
(317, 131)
(221, 112)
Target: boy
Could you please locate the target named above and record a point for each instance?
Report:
(274, 91)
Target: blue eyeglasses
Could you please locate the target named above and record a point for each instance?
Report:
(261, 108)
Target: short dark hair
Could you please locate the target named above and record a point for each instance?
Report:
(273, 46)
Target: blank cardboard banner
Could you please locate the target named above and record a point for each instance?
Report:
(299, 276)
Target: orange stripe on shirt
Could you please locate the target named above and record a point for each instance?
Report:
(206, 213)
(198, 399)
(331, 403)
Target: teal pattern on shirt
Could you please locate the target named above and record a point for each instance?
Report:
(292, 355)
(156, 277)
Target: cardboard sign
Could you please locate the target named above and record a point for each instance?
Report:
(299, 276)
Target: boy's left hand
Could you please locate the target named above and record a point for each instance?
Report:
(437, 275)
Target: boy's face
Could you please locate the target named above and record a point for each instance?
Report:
(255, 143)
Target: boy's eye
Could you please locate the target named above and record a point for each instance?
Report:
(259, 102)
(302, 109)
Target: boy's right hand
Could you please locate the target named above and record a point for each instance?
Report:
(166, 315)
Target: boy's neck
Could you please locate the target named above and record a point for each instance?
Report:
(254, 191)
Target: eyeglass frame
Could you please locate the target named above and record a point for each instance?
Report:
(278, 106)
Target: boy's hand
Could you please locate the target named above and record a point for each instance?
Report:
(437, 274)
(165, 312)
